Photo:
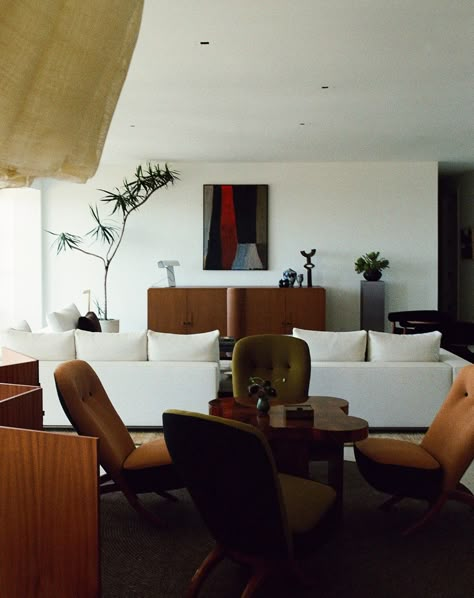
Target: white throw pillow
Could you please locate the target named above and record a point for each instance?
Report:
(164, 346)
(110, 346)
(45, 346)
(334, 346)
(384, 346)
(63, 319)
(21, 325)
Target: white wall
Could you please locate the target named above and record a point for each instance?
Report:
(341, 209)
(466, 267)
(20, 257)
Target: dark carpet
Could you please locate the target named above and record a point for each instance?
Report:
(365, 557)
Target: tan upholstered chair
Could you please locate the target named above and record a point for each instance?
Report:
(132, 470)
(257, 517)
(284, 360)
(433, 469)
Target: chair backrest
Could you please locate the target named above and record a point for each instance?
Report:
(228, 469)
(91, 413)
(450, 438)
(284, 360)
(417, 321)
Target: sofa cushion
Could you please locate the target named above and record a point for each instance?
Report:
(46, 346)
(384, 346)
(111, 346)
(21, 325)
(89, 322)
(334, 346)
(63, 319)
(165, 346)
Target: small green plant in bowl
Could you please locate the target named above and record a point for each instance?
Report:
(371, 265)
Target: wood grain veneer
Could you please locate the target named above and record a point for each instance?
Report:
(49, 513)
(21, 406)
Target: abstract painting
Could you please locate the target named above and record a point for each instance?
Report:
(235, 227)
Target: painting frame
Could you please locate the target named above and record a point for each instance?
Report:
(235, 227)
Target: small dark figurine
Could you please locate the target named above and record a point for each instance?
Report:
(283, 283)
(299, 279)
(289, 275)
(309, 265)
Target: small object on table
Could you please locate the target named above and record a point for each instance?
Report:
(299, 411)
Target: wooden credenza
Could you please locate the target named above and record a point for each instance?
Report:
(236, 311)
(187, 310)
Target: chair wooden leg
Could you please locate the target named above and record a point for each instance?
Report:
(211, 561)
(258, 577)
(135, 502)
(433, 510)
(463, 495)
(262, 571)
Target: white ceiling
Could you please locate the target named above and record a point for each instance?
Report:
(400, 77)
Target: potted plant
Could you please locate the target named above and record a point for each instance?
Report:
(371, 265)
(123, 202)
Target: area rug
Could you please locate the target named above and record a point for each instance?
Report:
(365, 557)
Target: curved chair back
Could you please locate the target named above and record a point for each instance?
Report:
(416, 321)
(450, 438)
(284, 360)
(232, 480)
(91, 413)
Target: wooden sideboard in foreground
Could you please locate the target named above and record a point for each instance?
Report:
(18, 368)
(49, 497)
(49, 515)
(21, 398)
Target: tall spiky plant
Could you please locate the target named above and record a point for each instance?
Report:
(124, 201)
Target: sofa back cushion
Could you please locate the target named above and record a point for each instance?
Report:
(384, 346)
(64, 319)
(111, 346)
(334, 346)
(45, 346)
(165, 346)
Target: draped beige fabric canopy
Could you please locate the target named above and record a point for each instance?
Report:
(63, 64)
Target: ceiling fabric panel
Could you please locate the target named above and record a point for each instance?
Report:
(62, 69)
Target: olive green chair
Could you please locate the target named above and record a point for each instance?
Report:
(258, 517)
(284, 360)
(130, 469)
(431, 470)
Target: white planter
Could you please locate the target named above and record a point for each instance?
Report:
(110, 325)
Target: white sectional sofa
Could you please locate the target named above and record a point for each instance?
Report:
(144, 373)
(392, 381)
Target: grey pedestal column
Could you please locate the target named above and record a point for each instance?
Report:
(372, 305)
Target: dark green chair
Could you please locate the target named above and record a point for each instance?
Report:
(284, 360)
(257, 516)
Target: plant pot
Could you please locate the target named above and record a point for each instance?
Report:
(110, 325)
(373, 275)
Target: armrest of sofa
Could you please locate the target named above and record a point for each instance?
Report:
(454, 361)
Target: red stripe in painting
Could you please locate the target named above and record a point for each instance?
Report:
(228, 227)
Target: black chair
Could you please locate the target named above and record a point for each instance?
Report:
(418, 321)
(258, 517)
(457, 336)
